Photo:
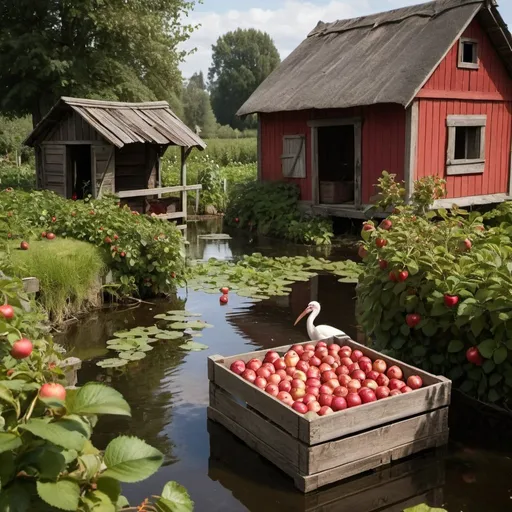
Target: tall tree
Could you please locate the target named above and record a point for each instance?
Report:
(119, 50)
(197, 109)
(241, 61)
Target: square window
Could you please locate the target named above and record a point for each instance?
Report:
(467, 142)
(468, 53)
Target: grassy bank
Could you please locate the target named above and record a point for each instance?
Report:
(69, 272)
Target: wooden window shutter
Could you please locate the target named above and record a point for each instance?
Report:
(103, 169)
(294, 156)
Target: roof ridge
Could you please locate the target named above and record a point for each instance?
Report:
(113, 104)
(429, 9)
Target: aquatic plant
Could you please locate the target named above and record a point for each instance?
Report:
(47, 459)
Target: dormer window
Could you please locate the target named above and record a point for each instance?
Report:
(468, 53)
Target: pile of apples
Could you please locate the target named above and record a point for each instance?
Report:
(325, 378)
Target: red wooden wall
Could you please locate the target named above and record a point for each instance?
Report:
(451, 91)
(383, 143)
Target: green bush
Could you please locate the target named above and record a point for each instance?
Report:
(144, 253)
(69, 273)
(23, 177)
(272, 208)
(12, 134)
(47, 459)
(436, 291)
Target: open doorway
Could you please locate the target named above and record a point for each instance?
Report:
(81, 170)
(336, 164)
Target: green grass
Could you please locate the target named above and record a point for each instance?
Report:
(68, 271)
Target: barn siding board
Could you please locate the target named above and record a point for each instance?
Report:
(72, 128)
(383, 143)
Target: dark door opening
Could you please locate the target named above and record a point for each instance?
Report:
(336, 164)
(81, 170)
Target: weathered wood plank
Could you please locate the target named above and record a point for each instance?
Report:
(256, 424)
(123, 194)
(30, 284)
(411, 148)
(272, 408)
(386, 438)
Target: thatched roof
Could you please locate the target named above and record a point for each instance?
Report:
(122, 123)
(382, 58)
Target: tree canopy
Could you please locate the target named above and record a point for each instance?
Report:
(241, 61)
(197, 109)
(118, 50)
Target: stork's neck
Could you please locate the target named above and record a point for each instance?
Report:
(311, 324)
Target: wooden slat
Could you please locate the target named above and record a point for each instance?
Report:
(358, 177)
(122, 194)
(387, 438)
(173, 215)
(256, 424)
(30, 284)
(411, 148)
(102, 130)
(272, 408)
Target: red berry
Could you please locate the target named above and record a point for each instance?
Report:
(123, 254)
(402, 276)
(381, 242)
(7, 311)
(392, 276)
(383, 264)
(474, 357)
(412, 320)
(368, 227)
(108, 240)
(386, 224)
(451, 301)
(21, 348)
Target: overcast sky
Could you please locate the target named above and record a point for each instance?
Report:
(287, 21)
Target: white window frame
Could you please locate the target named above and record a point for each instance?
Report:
(468, 65)
(465, 166)
(300, 156)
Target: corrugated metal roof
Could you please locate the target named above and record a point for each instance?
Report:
(123, 123)
(382, 58)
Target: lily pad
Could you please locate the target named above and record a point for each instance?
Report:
(182, 313)
(121, 347)
(111, 363)
(194, 346)
(144, 348)
(132, 356)
(169, 335)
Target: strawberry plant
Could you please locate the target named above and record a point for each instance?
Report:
(47, 459)
(142, 252)
(443, 298)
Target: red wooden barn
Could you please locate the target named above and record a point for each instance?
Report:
(423, 90)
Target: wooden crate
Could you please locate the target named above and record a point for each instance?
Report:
(317, 452)
(336, 192)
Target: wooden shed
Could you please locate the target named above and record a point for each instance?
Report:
(422, 90)
(96, 147)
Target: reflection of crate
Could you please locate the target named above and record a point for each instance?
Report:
(319, 451)
(406, 483)
(335, 192)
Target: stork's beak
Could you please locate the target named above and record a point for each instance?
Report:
(302, 315)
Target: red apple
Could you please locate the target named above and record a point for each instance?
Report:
(414, 382)
(314, 382)
(325, 399)
(309, 346)
(7, 311)
(302, 366)
(263, 372)
(394, 372)
(298, 383)
(370, 383)
(412, 320)
(285, 386)
(272, 389)
(300, 407)
(300, 375)
(342, 370)
(315, 361)
(334, 348)
(346, 361)
(353, 400)
(333, 383)
(379, 365)
(298, 348)
(405, 389)
(290, 370)
(328, 375)
(291, 358)
(367, 395)
(285, 398)
(237, 367)
(324, 367)
(386, 224)
(282, 374)
(306, 356)
(329, 360)
(279, 364)
(313, 373)
(340, 391)
(270, 366)
(474, 357)
(271, 356)
(314, 406)
(249, 375)
(382, 380)
(53, 390)
(224, 290)
(24, 246)
(358, 374)
(21, 349)
(321, 344)
(372, 375)
(451, 301)
(382, 392)
(325, 390)
(395, 392)
(309, 397)
(396, 384)
(364, 359)
(312, 390)
(274, 379)
(321, 352)
(383, 264)
(338, 403)
(260, 382)
(354, 386)
(324, 411)
(366, 366)
(346, 349)
(356, 355)
(381, 242)
(223, 299)
(402, 276)
(344, 380)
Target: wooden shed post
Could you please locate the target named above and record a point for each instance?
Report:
(411, 145)
(185, 152)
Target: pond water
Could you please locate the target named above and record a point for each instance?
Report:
(168, 394)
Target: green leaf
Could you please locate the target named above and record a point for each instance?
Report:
(493, 396)
(64, 494)
(6, 396)
(486, 348)
(60, 435)
(95, 398)
(132, 356)
(46, 460)
(129, 459)
(169, 335)
(398, 343)
(7, 468)
(500, 354)
(194, 346)
(175, 498)
(488, 366)
(455, 346)
(477, 325)
(9, 441)
(111, 363)
(429, 329)
(495, 378)
(109, 486)
(91, 464)
(16, 498)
